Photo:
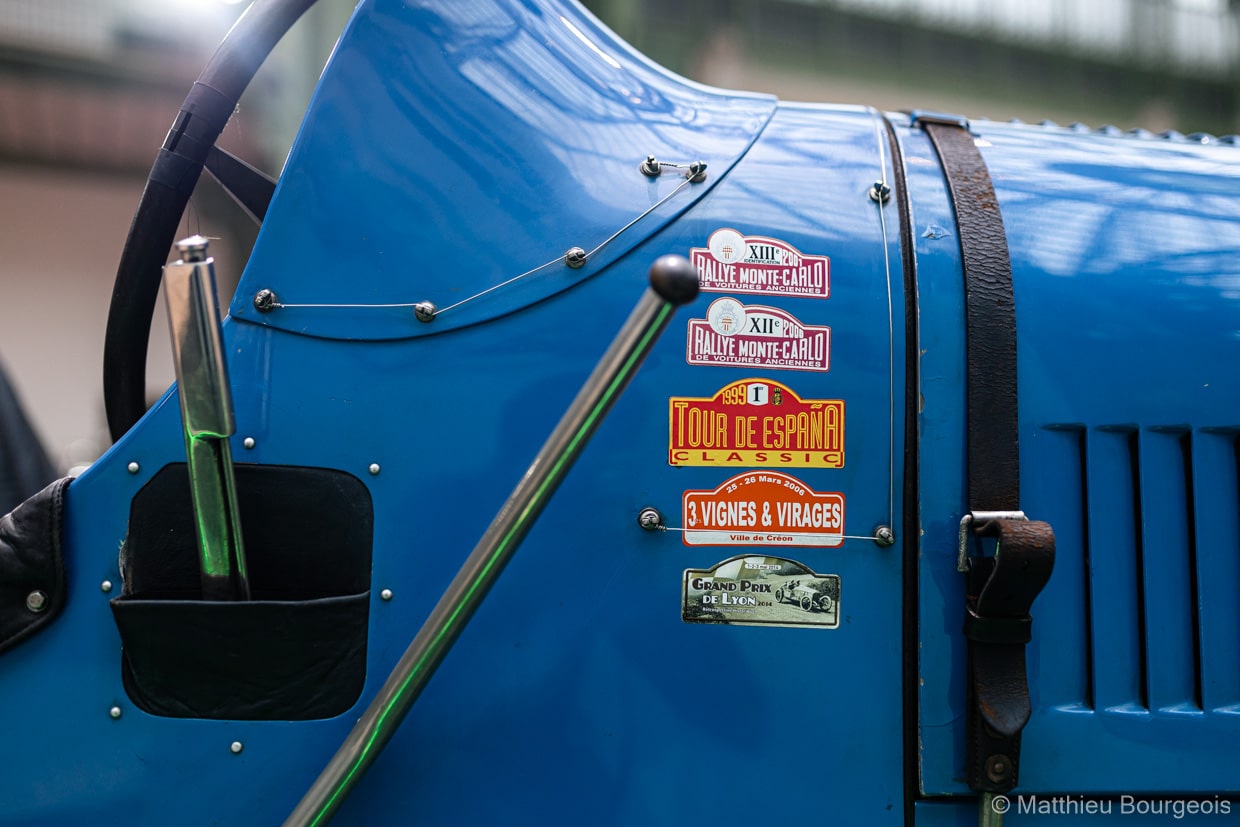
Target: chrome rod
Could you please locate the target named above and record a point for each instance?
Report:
(990, 809)
(206, 418)
(673, 282)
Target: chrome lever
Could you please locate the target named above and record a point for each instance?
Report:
(206, 418)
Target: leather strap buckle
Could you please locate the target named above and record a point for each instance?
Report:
(921, 117)
(999, 595)
(980, 518)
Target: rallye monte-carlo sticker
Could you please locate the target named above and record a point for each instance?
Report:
(757, 508)
(735, 263)
(756, 423)
(761, 591)
(734, 334)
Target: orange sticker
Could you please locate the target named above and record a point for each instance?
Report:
(756, 423)
(757, 508)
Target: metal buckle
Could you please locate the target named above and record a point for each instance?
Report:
(962, 544)
(920, 117)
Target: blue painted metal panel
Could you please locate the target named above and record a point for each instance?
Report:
(1124, 263)
(940, 300)
(577, 691)
(1118, 615)
(1169, 588)
(451, 147)
(1215, 470)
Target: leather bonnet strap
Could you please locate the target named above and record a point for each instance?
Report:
(1002, 588)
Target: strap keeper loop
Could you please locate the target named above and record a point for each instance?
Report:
(978, 520)
(997, 629)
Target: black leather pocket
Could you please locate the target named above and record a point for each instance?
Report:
(297, 650)
(258, 660)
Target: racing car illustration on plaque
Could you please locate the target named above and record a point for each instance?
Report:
(807, 597)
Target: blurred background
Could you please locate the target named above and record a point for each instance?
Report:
(88, 89)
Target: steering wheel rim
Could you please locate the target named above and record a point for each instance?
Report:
(177, 168)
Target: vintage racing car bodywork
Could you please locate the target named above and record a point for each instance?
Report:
(453, 147)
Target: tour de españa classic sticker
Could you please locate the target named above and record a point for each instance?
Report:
(734, 334)
(757, 508)
(756, 265)
(756, 423)
(761, 591)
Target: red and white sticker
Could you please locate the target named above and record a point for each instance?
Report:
(763, 508)
(756, 265)
(738, 335)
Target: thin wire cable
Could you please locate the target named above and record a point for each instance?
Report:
(543, 266)
(335, 306)
(891, 347)
(773, 531)
(648, 211)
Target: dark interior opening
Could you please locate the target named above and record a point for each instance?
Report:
(297, 649)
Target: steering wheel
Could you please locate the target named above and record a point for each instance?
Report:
(175, 173)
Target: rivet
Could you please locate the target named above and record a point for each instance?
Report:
(425, 311)
(575, 257)
(880, 192)
(266, 301)
(998, 768)
(884, 536)
(236, 747)
(697, 172)
(36, 601)
(650, 519)
(386, 594)
(374, 469)
(115, 712)
(105, 586)
(134, 467)
(248, 442)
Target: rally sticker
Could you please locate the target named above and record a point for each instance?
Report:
(735, 263)
(757, 508)
(734, 334)
(761, 591)
(756, 422)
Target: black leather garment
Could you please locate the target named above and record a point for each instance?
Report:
(32, 565)
(24, 466)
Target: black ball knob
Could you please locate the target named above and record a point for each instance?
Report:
(674, 279)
